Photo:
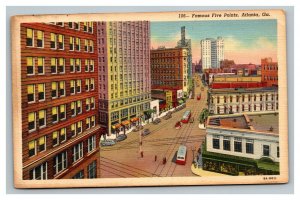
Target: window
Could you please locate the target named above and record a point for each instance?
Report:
(278, 153)
(60, 41)
(92, 83)
(92, 65)
(72, 87)
(60, 162)
(72, 40)
(40, 39)
(238, 144)
(31, 93)
(71, 25)
(55, 139)
(53, 65)
(63, 136)
(78, 86)
(87, 84)
(78, 65)
(79, 127)
(77, 44)
(72, 65)
(54, 89)
(31, 121)
(88, 123)
(62, 90)
(85, 26)
(86, 65)
(79, 175)
(87, 104)
(216, 142)
(92, 170)
(29, 37)
(30, 66)
(62, 112)
(93, 121)
(73, 131)
(40, 65)
(249, 146)
(77, 151)
(91, 143)
(266, 150)
(42, 143)
(91, 46)
(90, 27)
(79, 107)
(41, 91)
(39, 172)
(76, 25)
(53, 40)
(42, 118)
(32, 148)
(86, 44)
(61, 65)
(92, 102)
(54, 114)
(226, 143)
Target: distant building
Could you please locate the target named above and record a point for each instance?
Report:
(240, 100)
(212, 52)
(269, 71)
(169, 69)
(242, 144)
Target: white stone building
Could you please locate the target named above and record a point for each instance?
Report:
(240, 100)
(212, 52)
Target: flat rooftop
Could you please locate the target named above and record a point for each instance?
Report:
(243, 90)
(257, 122)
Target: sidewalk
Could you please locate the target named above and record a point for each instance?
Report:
(201, 172)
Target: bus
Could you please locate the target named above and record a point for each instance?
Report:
(181, 155)
(186, 116)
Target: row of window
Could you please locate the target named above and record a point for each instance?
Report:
(38, 145)
(58, 89)
(271, 78)
(58, 113)
(36, 65)
(124, 112)
(238, 146)
(57, 41)
(255, 108)
(87, 26)
(261, 97)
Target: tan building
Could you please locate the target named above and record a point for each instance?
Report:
(235, 78)
(169, 69)
(231, 100)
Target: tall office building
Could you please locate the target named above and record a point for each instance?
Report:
(124, 73)
(59, 79)
(186, 43)
(212, 52)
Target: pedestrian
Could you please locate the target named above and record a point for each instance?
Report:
(164, 160)
(142, 154)
(155, 158)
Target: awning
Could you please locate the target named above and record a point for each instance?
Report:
(134, 119)
(180, 101)
(116, 126)
(124, 123)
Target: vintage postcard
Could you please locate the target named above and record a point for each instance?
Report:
(150, 99)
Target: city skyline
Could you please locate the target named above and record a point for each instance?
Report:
(244, 41)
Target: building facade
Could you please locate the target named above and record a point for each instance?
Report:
(169, 69)
(59, 100)
(124, 78)
(212, 52)
(269, 71)
(240, 100)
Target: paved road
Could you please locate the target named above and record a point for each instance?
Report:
(124, 159)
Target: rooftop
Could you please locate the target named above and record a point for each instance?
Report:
(257, 122)
(243, 90)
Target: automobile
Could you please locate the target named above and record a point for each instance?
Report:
(108, 142)
(156, 121)
(138, 128)
(167, 117)
(145, 132)
(191, 120)
(178, 125)
(121, 137)
(202, 88)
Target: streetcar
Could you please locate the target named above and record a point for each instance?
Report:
(181, 155)
(186, 116)
(199, 97)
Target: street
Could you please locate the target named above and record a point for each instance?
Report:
(124, 158)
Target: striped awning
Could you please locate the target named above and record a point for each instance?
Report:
(124, 123)
(134, 119)
(116, 126)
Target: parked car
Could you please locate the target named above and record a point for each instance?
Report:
(146, 132)
(178, 125)
(138, 128)
(156, 121)
(108, 142)
(121, 137)
(191, 120)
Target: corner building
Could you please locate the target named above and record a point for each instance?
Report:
(59, 84)
(124, 74)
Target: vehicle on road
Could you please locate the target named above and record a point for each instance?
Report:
(121, 137)
(156, 121)
(199, 97)
(168, 116)
(191, 120)
(178, 125)
(186, 116)
(146, 132)
(181, 155)
(202, 88)
(108, 142)
(138, 128)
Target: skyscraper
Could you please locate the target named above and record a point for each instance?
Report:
(60, 133)
(212, 52)
(124, 81)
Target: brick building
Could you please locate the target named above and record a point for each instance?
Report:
(59, 74)
(269, 71)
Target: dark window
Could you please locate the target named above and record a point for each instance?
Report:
(237, 146)
(278, 153)
(39, 43)
(76, 25)
(70, 24)
(266, 150)
(92, 170)
(249, 147)
(79, 175)
(226, 145)
(30, 97)
(29, 42)
(216, 143)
